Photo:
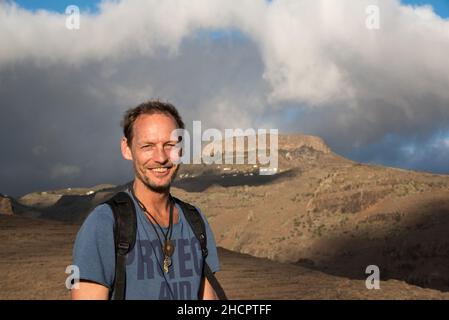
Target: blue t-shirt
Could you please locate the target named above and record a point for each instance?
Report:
(94, 254)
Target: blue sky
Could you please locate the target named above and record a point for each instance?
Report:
(441, 7)
(58, 5)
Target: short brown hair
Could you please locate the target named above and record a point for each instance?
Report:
(149, 107)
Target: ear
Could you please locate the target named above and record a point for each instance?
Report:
(126, 150)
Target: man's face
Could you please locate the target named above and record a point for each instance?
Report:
(153, 151)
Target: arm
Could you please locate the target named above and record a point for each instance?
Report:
(90, 291)
(94, 254)
(206, 290)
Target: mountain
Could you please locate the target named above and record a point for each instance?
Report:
(332, 214)
(319, 211)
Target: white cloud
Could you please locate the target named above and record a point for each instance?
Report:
(315, 52)
(353, 85)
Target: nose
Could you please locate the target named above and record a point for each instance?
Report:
(160, 155)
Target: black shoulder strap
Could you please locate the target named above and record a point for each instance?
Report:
(125, 229)
(197, 224)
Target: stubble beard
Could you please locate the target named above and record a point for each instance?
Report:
(157, 187)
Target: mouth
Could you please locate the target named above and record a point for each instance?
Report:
(159, 169)
(160, 172)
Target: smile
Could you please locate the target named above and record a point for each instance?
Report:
(160, 170)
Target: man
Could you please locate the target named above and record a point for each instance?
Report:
(166, 261)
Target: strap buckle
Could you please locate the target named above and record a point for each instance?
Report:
(123, 247)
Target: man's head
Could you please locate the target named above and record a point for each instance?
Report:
(148, 143)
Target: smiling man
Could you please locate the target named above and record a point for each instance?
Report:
(167, 260)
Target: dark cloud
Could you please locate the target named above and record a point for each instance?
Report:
(62, 123)
(415, 153)
(308, 66)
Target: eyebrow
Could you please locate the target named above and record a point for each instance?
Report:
(152, 142)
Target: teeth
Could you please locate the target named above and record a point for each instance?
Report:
(160, 169)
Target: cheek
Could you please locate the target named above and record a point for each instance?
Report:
(141, 158)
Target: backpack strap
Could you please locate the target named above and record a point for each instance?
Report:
(125, 228)
(197, 224)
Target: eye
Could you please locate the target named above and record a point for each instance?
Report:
(147, 146)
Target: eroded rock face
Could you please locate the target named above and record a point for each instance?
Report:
(293, 142)
(286, 142)
(5, 205)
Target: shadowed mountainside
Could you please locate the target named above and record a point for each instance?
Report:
(320, 211)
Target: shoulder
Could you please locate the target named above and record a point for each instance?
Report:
(102, 213)
(101, 217)
(97, 229)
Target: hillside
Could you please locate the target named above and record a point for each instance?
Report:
(34, 254)
(320, 211)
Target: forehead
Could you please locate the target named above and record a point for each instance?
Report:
(154, 127)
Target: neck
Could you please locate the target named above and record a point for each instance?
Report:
(156, 202)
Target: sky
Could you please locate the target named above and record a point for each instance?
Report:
(440, 7)
(376, 93)
(59, 5)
